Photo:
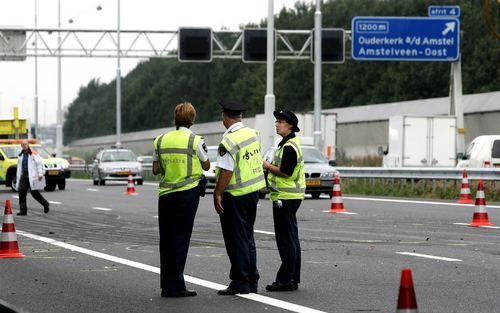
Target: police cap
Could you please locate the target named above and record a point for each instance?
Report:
(289, 117)
(232, 106)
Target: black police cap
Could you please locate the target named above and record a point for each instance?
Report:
(289, 117)
(232, 106)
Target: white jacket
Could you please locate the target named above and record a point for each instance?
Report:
(35, 169)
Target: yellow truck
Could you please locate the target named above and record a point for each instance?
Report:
(56, 169)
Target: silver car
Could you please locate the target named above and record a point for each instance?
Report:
(318, 171)
(210, 174)
(116, 164)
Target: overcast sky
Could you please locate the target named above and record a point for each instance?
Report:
(17, 78)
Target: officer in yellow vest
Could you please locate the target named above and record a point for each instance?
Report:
(179, 157)
(239, 178)
(286, 182)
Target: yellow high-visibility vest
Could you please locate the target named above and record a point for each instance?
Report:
(179, 164)
(294, 186)
(244, 147)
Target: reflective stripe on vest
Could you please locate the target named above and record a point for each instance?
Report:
(176, 178)
(244, 147)
(293, 186)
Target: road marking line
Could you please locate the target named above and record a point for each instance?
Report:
(467, 224)
(427, 256)
(263, 232)
(101, 209)
(197, 281)
(55, 202)
(415, 201)
(92, 189)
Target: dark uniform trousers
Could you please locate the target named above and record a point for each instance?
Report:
(24, 186)
(287, 239)
(237, 223)
(176, 213)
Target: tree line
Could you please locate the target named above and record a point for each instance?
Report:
(154, 87)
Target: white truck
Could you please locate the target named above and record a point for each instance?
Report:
(483, 151)
(421, 141)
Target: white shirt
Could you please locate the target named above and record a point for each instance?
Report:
(200, 152)
(226, 161)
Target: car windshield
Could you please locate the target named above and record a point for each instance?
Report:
(145, 159)
(41, 151)
(212, 154)
(118, 156)
(313, 156)
(11, 152)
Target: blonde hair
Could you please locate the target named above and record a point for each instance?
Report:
(184, 115)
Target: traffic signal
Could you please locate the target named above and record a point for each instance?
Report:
(195, 45)
(255, 45)
(332, 45)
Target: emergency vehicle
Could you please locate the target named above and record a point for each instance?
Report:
(56, 169)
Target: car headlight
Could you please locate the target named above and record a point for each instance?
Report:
(65, 165)
(327, 175)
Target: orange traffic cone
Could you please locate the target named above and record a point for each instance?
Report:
(465, 195)
(407, 302)
(8, 243)
(130, 185)
(337, 206)
(480, 217)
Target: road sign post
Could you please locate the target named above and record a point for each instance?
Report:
(405, 39)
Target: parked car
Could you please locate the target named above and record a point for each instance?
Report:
(145, 160)
(483, 151)
(210, 174)
(116, 164)
(317, 169)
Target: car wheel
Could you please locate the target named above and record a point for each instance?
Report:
(96, 182)
(50, 186)
(315, 195)
(61, 184)
(139, 182)
(13, 183)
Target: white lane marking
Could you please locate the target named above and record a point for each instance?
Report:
(346, 213)
(92, 189)
(263, 232)
(467, 224)
(197, 281)
(427, 256)
(55, 202)
(415, 201)
(101, 209)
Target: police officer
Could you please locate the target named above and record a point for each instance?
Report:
(239, 178)
(287, 186)
(179, 157)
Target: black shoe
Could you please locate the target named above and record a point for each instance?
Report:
(178, 294)
(22, 213)
(46, 209)
(231, 291)
(276, 286)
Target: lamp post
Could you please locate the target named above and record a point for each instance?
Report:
(118, 82)
(36, 72)
(317, 75)
(269, 99)
(59, 133)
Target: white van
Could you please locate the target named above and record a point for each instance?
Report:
(483, 151)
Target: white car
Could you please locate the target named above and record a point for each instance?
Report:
(210, 174)
(116, 164)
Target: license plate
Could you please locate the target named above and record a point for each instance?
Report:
(313, 182)
(123, 173)
(51, 173)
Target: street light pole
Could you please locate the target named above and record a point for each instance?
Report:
(59, 133)
(118, 83)
(269, 100)
(36, 135)
(317, 75)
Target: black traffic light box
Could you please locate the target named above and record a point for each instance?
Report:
(255, 45)
(195, 45)
(332, 45)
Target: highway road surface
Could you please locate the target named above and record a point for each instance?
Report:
(97, 251)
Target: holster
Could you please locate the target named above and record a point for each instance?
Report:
(202, 186)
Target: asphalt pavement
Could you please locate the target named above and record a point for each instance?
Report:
(97, 251)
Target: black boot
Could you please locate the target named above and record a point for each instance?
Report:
(23, 212)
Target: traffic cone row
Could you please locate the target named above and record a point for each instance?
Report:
(130, 185)
(465, 195)
(8, 242)
(337, 205)
(480, 216)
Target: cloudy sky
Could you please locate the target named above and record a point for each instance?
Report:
(17, 78)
